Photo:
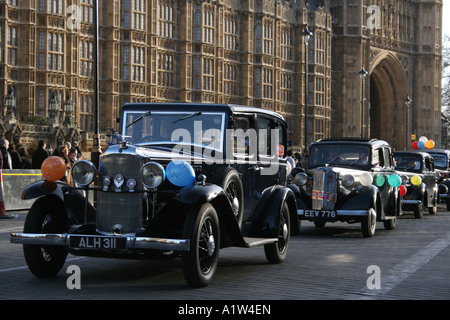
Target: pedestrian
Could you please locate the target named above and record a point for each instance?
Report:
(24, 157)
(73, 156)
(298, 160)
(76, 146)
(7, 161)
(63, 152)
(290, 159)
(15, 157)
(39, 155)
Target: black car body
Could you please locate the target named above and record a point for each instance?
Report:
(419, 178)
(178, 180)
(348, 180)
(442, 164)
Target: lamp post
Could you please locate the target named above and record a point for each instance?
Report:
(68, 110)
(408, 102)
(363, 74)
(10, 102)
(306, 35)
(96, 149)
(53, 107)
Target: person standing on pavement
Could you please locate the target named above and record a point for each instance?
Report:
(39, 155)
(15, 157)
(7, 161)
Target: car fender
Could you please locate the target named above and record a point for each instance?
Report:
(302, 199)
(266, 215)
(363, 198)
(43, 188)
(416, 192)
(75, 203)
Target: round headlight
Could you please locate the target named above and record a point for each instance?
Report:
(152, 175)
(83, 172)
(405, 179)
(301, 179)
(348, 180)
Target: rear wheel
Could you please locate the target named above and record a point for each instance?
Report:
(277, 252)
(202, 229)
(45, 217)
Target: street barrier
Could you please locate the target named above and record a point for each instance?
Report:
(2, 203)
(13, 184)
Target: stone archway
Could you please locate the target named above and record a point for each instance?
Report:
(388, 91)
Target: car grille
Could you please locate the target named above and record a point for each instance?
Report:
(122, 208)
(324, 189)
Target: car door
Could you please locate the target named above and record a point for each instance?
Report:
(384, 168)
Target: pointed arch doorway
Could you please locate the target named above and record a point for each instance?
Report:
(388, 91)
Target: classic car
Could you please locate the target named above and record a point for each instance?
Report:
(442, 164)
(419, 181)
(348, 180)
(178, 180)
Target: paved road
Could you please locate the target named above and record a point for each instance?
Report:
(335, 263)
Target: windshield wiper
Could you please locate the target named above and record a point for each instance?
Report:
(139, 119)
(330, 162)
(192, 115)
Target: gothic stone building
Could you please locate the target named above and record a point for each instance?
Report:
(247, 52)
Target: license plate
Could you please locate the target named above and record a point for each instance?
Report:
(95, 242)
(320, 214)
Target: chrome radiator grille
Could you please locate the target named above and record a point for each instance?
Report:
(119, 208)
(324, 189)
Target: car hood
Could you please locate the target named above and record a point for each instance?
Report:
(157, 152)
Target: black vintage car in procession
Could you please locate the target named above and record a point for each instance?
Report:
(419, 180)
(183, 180)
(349, 180)
(442, 164)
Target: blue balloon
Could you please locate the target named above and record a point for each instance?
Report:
(421, 145)
(180, 173)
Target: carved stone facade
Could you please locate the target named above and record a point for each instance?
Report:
(247, 52)
(399, 44)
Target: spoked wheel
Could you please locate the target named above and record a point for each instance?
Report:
(202, 229)
(44, 261)
(277, 252)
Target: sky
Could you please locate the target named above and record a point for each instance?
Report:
(445, 18)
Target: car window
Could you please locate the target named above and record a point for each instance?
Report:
(271, 137)
(440, 160)
(405, 162)
(244, 140)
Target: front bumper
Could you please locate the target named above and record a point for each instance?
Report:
(132, 242)
(333, 215)
(410, 204)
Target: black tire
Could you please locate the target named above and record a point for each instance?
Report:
(418, 211)
(368, 225)
(231, 183)
(46, 216)
(433, 210)
(277, 252)
(202, 229)
(389, 224)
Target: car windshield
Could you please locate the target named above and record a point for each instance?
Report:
(205, 129)
(440, 161)
(339, 155)
(409, 163)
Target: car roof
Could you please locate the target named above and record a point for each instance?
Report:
(423, 154)
(181, 106)
(442, 151)
(359, 141)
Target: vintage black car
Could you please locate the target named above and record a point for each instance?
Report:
(420, 181)
(182, 180)
(442, 164)
(349, 180)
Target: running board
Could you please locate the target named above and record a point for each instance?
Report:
(255, 242)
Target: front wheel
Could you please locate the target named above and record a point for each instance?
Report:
(45, 217)
(202, 229)
(368, 224)
(277, 252)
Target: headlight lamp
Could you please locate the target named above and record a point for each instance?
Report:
(83, 172)
(301, 179)
(348, 180)
(152, 175)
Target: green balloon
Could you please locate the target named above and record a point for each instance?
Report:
(394, 180)
(380, 180)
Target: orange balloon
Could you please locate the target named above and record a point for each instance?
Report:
(429, 144)
(53, 168)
